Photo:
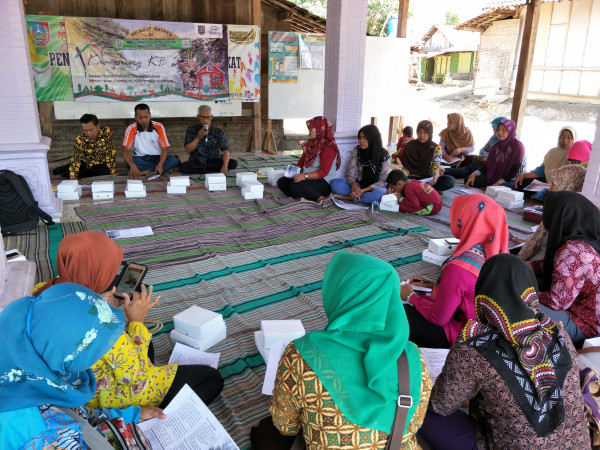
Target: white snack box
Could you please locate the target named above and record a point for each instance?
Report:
(509, 196)
(265, 170)
(254, 187)
(107, 195)
(67, 186)
(510, 205)
(390, 199)
(259, 341)
(198, 323)
(389, 207)
(183, 180)
(251, 195)
(179, 189)
(493, 191)
(103, 186)
(135, 185)
(135, 193)
(215, 186)
(200, 344)
(240, 177)
(280, 330)
(275, 175)
(71, 195)
(215, 182)
(440, 247)
(433, 258)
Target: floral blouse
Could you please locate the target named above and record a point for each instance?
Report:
(125, 376)
(301, 402)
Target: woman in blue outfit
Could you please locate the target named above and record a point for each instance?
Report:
(368, 169)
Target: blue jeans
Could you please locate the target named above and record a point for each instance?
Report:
(149, 162)
(342, 187)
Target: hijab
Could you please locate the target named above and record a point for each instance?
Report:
(568, 216)
(495, 124)
(324, 138)
(557, 157)
(504, 154)
(356, 356)
(88, 258)
(580, 151)
(45, 362)
(520, 342)
(371, 158)
(417, 156)
(459, 136)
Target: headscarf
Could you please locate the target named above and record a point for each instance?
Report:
(568, 216)
(556, 157)
(356, 356)
(477, 220)
(324, 138)
(520, 342)
(50, 343)
(580, 151)
(88, 258)
(459, 136)
(504, 154)
(417, 156)
(371, 158)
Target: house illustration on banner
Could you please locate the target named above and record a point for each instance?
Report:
(210, 76)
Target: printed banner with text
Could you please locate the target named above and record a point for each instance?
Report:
(244, 62)
(283, 57)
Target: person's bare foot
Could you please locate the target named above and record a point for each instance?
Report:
(320, 200)
(342, 197)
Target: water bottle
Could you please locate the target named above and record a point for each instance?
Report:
(375, 207)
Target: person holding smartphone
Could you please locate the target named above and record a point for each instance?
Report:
(126, 375)
(435, 321)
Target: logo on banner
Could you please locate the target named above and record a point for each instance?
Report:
(214, 31)
(40, 32)
(242, 37)
(201, 30)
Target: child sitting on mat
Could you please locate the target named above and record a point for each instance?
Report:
(414, 196)
(407, 136)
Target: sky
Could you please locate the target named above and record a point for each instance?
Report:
(431, 12)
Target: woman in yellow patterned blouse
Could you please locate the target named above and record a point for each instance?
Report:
(339, 386)
(125, 375)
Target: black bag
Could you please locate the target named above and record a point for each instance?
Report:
(18, 209)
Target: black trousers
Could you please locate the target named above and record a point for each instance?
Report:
(422, 332)
(309, 189)
(84, 171)
(204, 381)
(463, 171)
(210, 166)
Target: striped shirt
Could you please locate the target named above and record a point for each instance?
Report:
(146, 142)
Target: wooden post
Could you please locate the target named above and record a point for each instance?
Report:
(395, 121)
(269, 145)
(532, 17)
(256, 144)
(393, 129)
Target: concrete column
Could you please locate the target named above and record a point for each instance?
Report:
(22, 147)
(591, 186)
(344, 71)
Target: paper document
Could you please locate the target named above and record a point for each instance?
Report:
(275, 352)
(130, 233)
(537, 186)
(185, 355)
(347, 205)
(426, 180)
(290, 171)
(189, 425)
(154, 177)
(452, 161)
(435, 358)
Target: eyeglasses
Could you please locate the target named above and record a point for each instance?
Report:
(205, 117)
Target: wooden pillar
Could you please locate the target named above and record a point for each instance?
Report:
(532, 17)
(256, 139)
(395, 121)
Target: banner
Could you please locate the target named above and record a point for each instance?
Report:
(135, 60)
(244, 62)
(49, 57)
(283, 57)
(312, 51)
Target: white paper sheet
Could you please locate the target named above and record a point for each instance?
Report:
(290, 171)
(426, 180)
(189, 425)
(435, 358)
(537, 186)
(275, 352)
(347, 205)
(130, 232)
(186, 355)
(452, 161)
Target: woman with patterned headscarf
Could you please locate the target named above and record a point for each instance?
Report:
(320, 152)
(517, 367)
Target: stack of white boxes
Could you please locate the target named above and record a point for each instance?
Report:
(275, 175)
(389, 202)
(68, 190)
(135, 189)
(439, 250)
(272, 331)
(242, 177)
(198, 328)
(178, 185)
(253, 190)
(215, 182)
(510, 199)
(493, 191)
(103, 190)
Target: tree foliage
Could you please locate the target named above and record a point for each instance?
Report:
(452, 19)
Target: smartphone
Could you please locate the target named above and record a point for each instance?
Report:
(131, 280)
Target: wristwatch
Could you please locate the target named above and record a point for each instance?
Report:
(306, 176)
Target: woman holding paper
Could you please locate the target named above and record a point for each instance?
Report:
(436, 320)
(339, 386)
(456, 139)
(368, 168)
(319, 153)
(126, 375)
(516, 366)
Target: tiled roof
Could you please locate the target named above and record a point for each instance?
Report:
(495, 4)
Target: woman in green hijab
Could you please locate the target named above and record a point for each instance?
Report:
(340, 385)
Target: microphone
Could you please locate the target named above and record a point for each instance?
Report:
(206, 128)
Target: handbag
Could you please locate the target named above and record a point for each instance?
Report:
(404, 403)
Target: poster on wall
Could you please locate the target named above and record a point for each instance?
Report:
(312, 50)
(244, 62)
(134, 60)
(283, 57)
(49, 57)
